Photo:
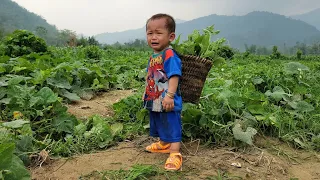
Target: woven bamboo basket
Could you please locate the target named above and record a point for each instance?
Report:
(194, 73)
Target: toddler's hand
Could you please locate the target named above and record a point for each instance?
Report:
(168, 103)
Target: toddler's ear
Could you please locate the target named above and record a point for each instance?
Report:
(172, 36)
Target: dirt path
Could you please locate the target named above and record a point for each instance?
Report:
(272, 160)
(199, 162)
(99, 105)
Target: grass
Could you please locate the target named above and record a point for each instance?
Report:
(143, 172)
(136, 172)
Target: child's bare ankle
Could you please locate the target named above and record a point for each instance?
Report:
(164, 143)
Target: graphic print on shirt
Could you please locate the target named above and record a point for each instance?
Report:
(157, 83)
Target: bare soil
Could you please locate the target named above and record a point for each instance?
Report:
(271, 159)
(279, 162)
(101, 104)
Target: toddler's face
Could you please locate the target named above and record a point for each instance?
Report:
(158, 36)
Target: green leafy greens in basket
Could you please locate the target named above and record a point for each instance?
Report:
(200, 44)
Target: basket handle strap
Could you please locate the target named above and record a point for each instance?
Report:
(178, 92)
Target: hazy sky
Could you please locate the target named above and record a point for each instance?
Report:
(91, 17)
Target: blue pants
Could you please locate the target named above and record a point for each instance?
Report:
(166, 125)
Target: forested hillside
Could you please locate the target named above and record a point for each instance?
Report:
(259, 28)
(13, 16)
(312, 17)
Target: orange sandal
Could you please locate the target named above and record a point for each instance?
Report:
(174, 160)
(158, 148)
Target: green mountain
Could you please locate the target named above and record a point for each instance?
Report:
(13, 16)
(259, 28)
(125, 36)
(312, 17)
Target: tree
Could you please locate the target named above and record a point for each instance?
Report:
(275, 53)
(1, 33)
(246, 47)
(303, 48)
(93, 41)
(253, 49)
(82, 42)
(22, 42)
(299, 54)
(315, 49)
(66, 38)
(262, 51)
(41, 31)
(285, 49)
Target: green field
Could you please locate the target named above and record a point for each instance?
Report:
(245, 96)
